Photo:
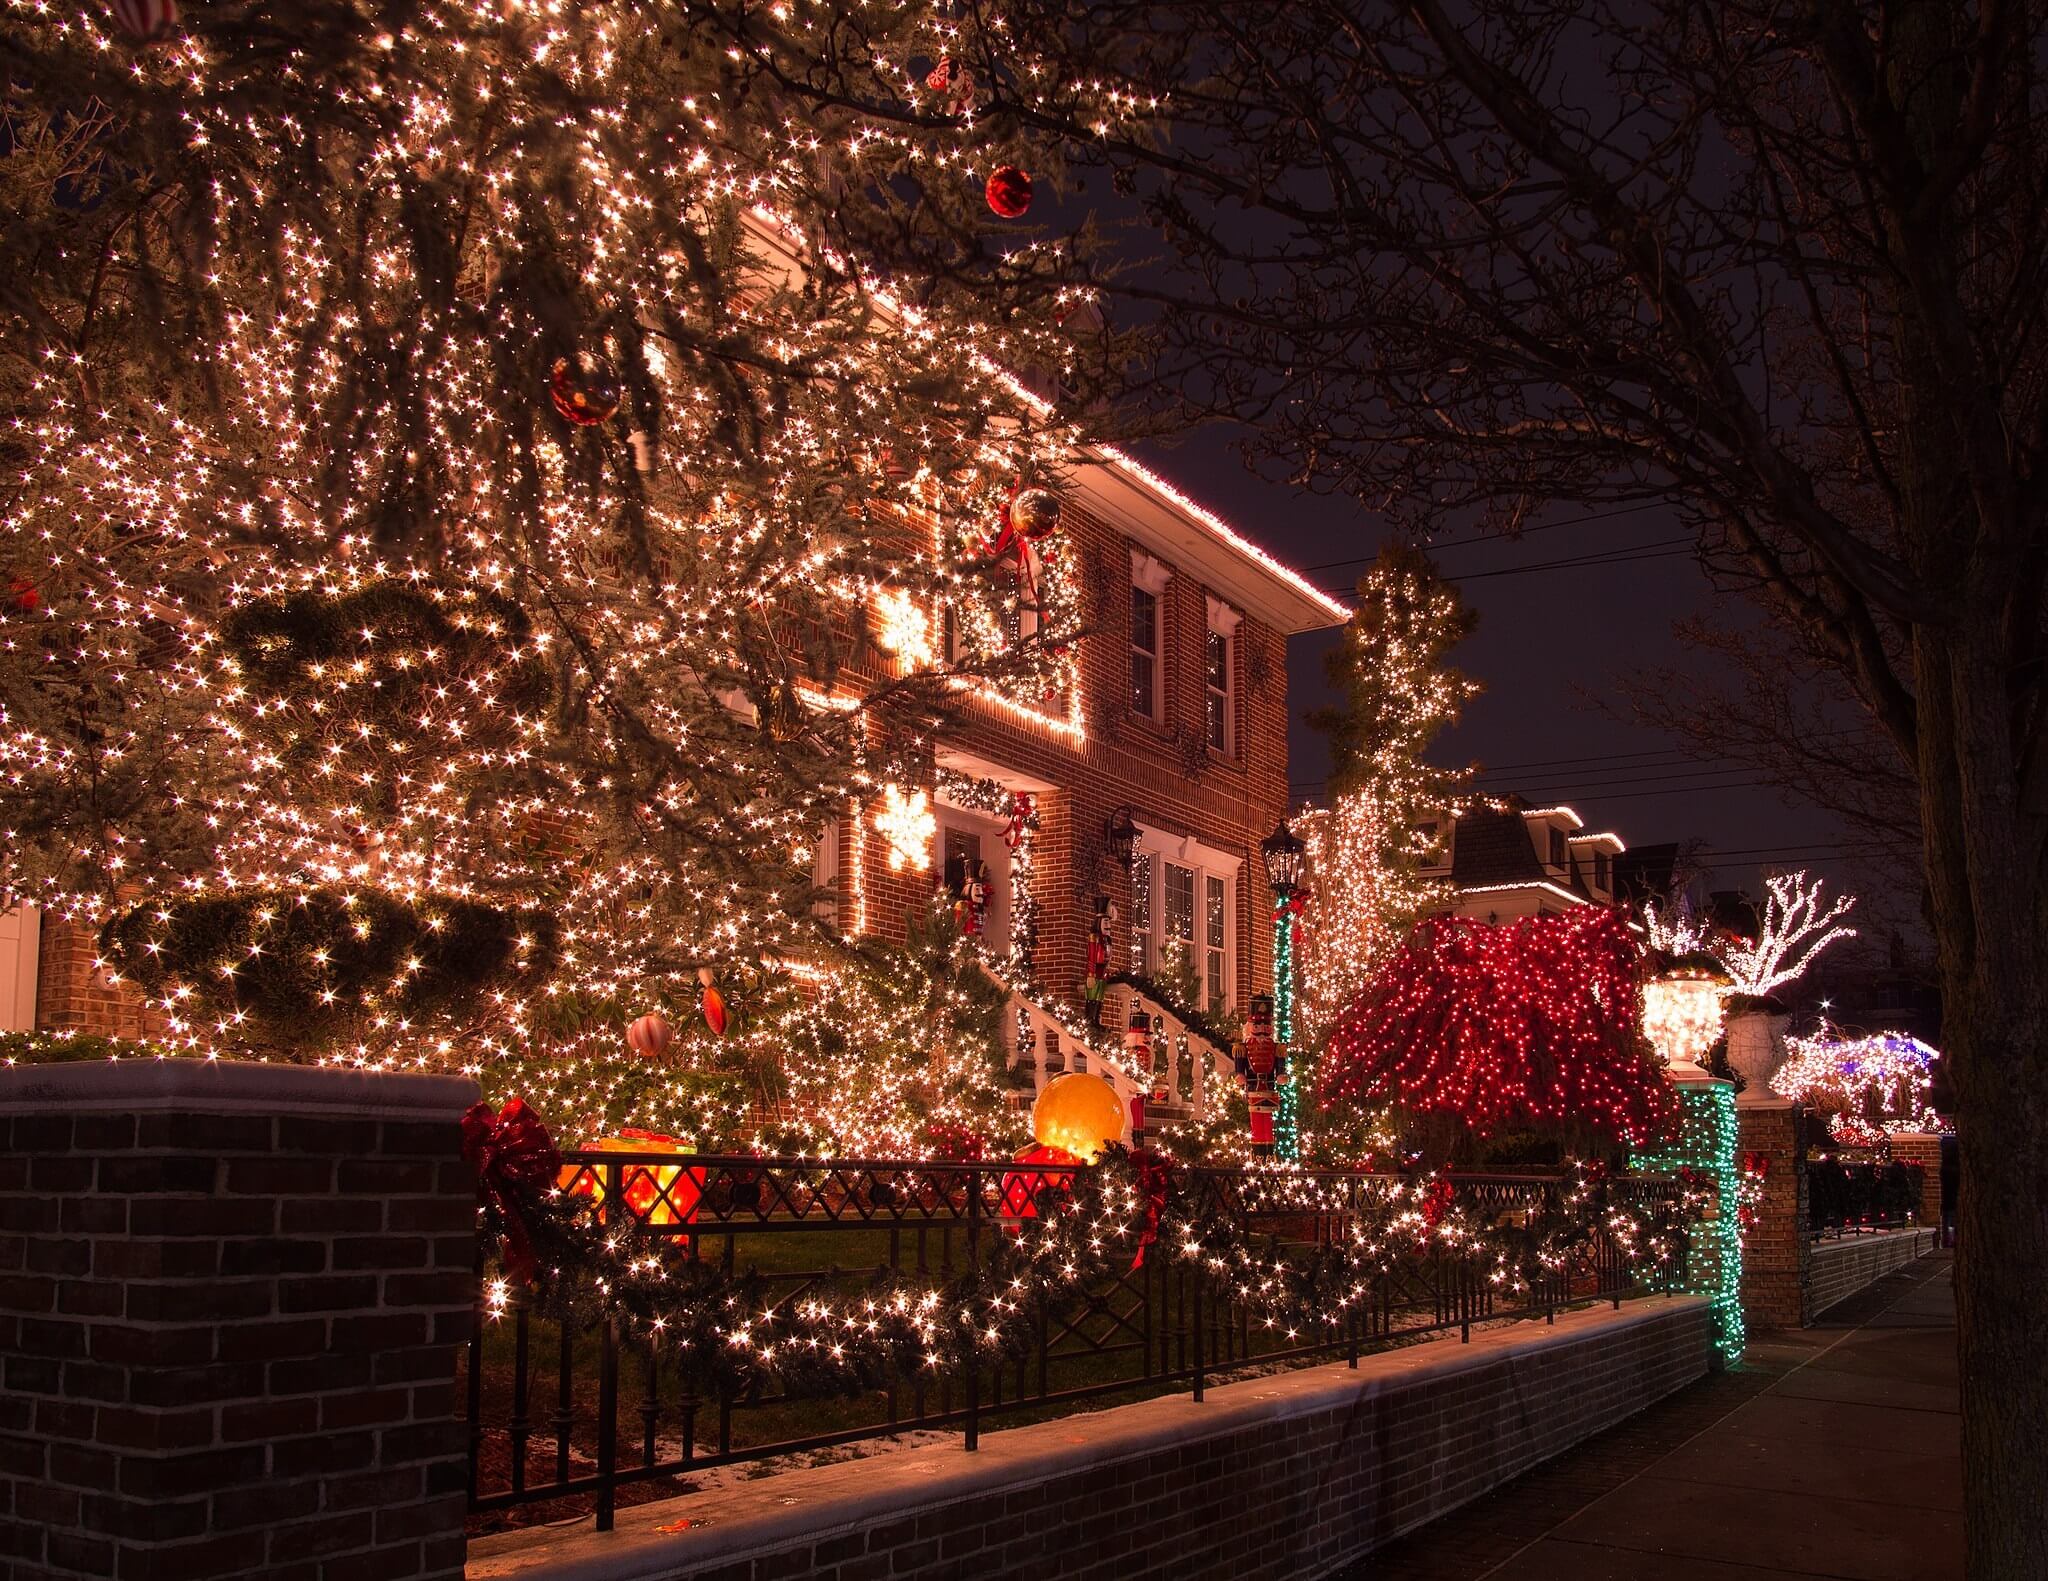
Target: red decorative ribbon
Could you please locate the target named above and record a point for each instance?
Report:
(1021, 807)
(1436, 1202)
(1154, 1170)
(512, 1155)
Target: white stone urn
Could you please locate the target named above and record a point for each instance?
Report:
(1756, 1046)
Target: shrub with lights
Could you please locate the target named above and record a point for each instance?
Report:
(1533, 1023)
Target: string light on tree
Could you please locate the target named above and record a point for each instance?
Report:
(1502, 1024)
(1793, 929)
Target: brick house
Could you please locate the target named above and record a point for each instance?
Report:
(1510, 860)
(1175, 719)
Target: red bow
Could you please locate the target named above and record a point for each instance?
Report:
(1436, 1202)
(513, 1156)
(1022, 806)
(1153, 1173)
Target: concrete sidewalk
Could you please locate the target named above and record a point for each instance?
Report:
(1832, 1452)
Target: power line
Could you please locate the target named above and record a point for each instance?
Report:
(1570, 563)
(1492, 537)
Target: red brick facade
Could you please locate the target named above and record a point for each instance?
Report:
(1162, 769)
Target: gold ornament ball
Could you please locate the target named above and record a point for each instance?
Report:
(1078, 1113)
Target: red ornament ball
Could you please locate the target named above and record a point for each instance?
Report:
(584, 388)
(939, 78)
(1035, 514)
(146, 21)
(649, 1035)
(1008, 192)
(22, 596)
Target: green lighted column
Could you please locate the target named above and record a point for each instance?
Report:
(1286, 859)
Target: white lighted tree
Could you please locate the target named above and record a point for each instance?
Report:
(1793, 930)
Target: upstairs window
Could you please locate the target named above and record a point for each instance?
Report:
(1144, 653)
(1148, 635)
(1602, 875)
(1219, 691)
(1556, 847)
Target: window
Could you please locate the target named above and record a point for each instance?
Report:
(1213, 936)
(1148, 645)
(1141, 914)
(1144, 653)
(1219, 679)
(1219, 693)
(1556, 847)
(825, 873)
(1177, 914)
(1601, 877)
(1182, 911)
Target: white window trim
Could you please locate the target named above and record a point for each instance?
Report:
(1149, 573)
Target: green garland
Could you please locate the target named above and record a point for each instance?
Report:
(721, 1336)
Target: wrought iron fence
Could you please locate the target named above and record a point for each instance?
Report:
(555, 1414)
(1860, 1198)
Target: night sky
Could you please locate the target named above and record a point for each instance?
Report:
(1550, 644)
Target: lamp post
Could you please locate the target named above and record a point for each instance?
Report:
(1286, 859)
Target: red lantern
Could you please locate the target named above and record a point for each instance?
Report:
(1008, 191)
(649, 1035)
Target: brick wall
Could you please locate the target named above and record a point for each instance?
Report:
(1842, 1267)
(1775, 1252)
(1292, 1476)
(231, 1302)
(74, 995)
(1918, 1147)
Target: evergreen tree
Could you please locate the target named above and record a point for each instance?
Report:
(1367, 849)
(455, 448)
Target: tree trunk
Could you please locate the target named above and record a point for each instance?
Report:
(1991, 922)
(2002, 1284)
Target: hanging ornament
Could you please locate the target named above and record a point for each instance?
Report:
(23, 597)
(1008, 191)
(1035, 514)
(584, 388)
(711, 1001)
(956, 82)
(146, 21)
(649, 1035)
(1022, 807)
(787, 720)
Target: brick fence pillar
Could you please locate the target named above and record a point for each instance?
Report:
(1924, 1149)
(232, 1298)
(1776, 1251)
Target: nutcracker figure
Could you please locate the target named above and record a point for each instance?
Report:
(1138, 1056)
(970, 897)
(1099, 934)
(1261, 1067)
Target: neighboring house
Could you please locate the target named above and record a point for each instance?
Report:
(1508, 859)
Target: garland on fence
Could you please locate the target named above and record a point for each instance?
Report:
(724, 1336)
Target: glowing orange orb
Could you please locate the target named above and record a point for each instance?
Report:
(1078, 1114)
